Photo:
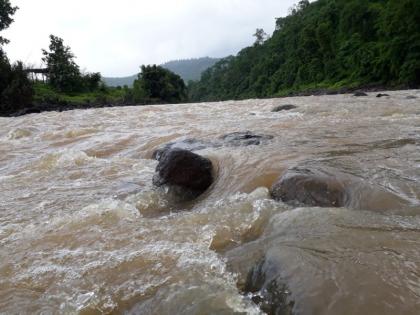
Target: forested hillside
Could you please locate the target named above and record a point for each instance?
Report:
(324, 44)
(187, 69)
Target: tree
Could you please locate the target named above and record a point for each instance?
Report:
(63, 73)
(260, 36)
(15, 88)
(155, 85)
(6, 13)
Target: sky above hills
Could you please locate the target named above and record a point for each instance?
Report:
(116, 37)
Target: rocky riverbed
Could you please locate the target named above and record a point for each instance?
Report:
(309, 208)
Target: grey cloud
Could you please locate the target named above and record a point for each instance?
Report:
(115, 38)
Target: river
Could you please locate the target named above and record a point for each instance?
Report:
(83, 230)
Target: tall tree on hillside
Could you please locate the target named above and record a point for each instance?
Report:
(260, 36)
(63, 72)
(6, 13)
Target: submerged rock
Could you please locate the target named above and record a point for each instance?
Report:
(190, 144)
(244, 138)
(382, 95)
(360, 94)
(234, 139)
(305, 187)
(411, 97)
(283, 107)
(185, 171)
(268, 290)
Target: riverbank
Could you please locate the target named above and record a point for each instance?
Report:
(46, 99)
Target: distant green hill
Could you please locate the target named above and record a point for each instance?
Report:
(190, 69)
(187, 69)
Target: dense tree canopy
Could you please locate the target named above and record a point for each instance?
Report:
(156, 85)
(63, 72)
(15, 89)
(6, 13)
(324, 43)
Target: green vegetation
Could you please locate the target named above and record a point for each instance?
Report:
(6, 13)
(157, 85)
(15, 88)
(46, 95)
(63, 72)
(324, 44)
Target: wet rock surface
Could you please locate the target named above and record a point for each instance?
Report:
(283, 108)
(184, 171)
(244, 138)
(268, 290)
(234, 139)
(382, 95)
(411, 97)
(304, 187)
(360, 94)
(190, 144)
(311, 257)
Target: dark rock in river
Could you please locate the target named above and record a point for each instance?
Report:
(268, 290)
(244, 138)
(411, 97)
(185, 171)
(305, 187)
(381, 95)
(189, 144)
(283, 107)
(360, 94)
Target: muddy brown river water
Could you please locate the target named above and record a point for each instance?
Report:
(83, 230)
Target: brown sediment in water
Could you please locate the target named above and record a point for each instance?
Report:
(83, 230)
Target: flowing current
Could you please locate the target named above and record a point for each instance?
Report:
(83, 230)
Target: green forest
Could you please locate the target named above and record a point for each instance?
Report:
(325, 44)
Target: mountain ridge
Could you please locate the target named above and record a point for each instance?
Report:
(188, 69)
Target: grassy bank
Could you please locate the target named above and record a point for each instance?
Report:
(45, 95)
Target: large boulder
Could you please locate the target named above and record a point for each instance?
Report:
(311, 261)
(303, 187)
(268, 290)
(185, 171)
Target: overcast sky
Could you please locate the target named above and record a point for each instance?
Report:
(116, 37)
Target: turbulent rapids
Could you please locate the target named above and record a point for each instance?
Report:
(83, 230)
